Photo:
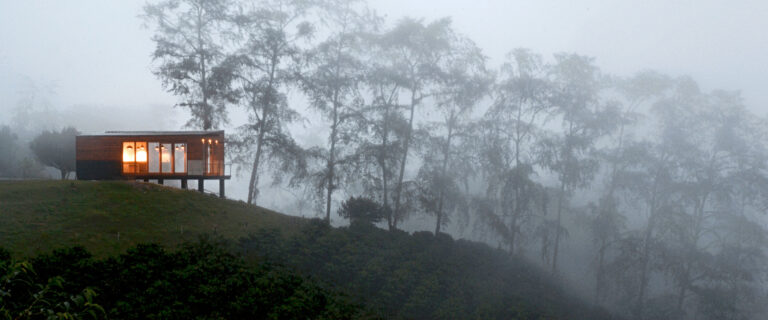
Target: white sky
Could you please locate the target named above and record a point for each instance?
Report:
(97, 55)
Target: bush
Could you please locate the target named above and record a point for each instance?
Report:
(361, 210)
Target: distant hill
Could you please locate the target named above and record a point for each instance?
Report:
(397, 275)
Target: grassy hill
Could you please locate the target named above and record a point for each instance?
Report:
(38, 216)
(395, 274)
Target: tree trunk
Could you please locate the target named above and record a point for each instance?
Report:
(407, 143)
(443, 174)
(253, 184)
(560, 199)
(332, 160)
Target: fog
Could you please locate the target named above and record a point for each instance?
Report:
(89, 65)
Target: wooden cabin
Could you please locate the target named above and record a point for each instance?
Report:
(156, 155)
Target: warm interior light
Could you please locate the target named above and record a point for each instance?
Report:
(202, 140)
(128, 154)
(209, 141)
(217, 141)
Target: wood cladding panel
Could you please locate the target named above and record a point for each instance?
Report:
(110, 148)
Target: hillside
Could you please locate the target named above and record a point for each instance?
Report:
(395, 274)
(38, 216)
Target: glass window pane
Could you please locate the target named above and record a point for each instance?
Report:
(129, 155)
(141, 152)
(154, 157)
(165, 157)
(180, 158)
(128, 152)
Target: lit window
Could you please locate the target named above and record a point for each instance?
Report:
(141, 152)
(129, 152)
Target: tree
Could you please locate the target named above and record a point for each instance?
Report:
(361, 210)
(56, 149)
(334, 70)
(189, 43)
(576, 84)
(464, 83)
(9, 160)
(507, 132)
(619, 156)
(272, 31)
(380, 151)
(418, 51)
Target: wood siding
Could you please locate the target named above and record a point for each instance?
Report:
(93, 153)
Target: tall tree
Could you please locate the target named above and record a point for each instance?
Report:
(419, 50)
(508, 129)
(190, 38)
(272, 32)
(464, 83)
(331, 82)
(619, 155)
(387, 126)
(569, 154)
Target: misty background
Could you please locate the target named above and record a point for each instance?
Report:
(88, 64)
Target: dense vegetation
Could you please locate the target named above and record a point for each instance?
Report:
(200, 281)
(394, 274)
(421, 276)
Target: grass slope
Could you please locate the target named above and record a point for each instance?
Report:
(38, 216)
(419, 276)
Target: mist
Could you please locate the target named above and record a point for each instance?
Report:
(620, 147)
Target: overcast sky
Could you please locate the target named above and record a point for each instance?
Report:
(96, 52)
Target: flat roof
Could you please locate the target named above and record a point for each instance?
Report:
(156, 133)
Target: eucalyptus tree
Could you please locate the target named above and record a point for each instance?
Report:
(723, 161)
(569, 154)
(272, 34)
(464, 83)
(418, 51)
(508, 129)
(606, 220)
(331, 81)
(383, 116)
(191, 39)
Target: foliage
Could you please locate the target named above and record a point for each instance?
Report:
(420, 276)
(9, 160)
(362, 210)
(190, 39)
(56, 149)
(268, 49)
(201, 280)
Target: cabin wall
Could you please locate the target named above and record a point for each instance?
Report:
(100, 157)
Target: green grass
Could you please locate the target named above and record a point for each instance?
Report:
(38, 216)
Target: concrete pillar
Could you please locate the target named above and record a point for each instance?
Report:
(221, 188)
(184, 184)
(200, 185)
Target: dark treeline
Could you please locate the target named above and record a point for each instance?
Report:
(658, 185)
